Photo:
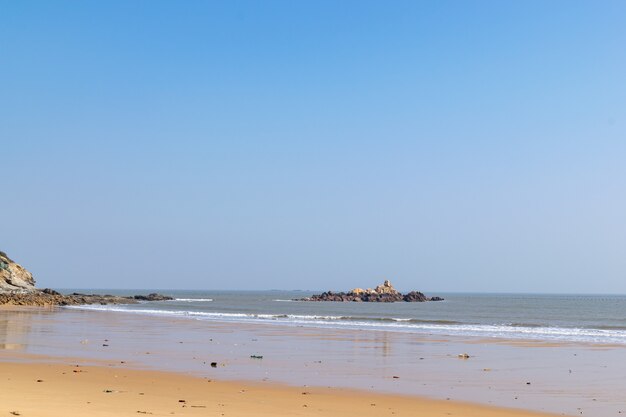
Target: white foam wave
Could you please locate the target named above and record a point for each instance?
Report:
(397, 324)
(193, 300)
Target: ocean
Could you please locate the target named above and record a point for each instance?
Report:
(597, 319)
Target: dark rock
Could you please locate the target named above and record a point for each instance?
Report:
(414, 296)
(41, 298)
(384, 293)
(152, 297)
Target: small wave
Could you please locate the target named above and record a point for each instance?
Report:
(397, 320)
(609, 327)
(193, 300)
(410, 325)
(525, 325)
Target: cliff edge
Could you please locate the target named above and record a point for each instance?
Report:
(14, 277)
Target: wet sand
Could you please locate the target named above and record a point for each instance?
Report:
(53, 390)
(563, 379)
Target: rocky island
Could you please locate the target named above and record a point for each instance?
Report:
(17, 287)
(384, 293)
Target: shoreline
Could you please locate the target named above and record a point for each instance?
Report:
(434, 335)
(451, 317)
(381, 363)
(52, 389)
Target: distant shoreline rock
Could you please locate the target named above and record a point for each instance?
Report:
(48, 297)
(384, 293)
(17, 288)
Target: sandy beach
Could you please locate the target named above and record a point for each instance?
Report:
(82, 355)
(54, 390)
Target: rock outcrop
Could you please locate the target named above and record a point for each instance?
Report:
(17, 287)
(47, 297)
(384, 293)
(152, 297)
(13, 277)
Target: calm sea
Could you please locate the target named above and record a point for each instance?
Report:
(574, 318)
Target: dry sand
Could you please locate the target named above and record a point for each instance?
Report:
(51, 389)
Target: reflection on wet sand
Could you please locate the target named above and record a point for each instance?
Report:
(15, 328)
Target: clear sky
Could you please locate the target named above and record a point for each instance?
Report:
(445, 145)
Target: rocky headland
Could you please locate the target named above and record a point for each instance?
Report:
(17, 287)
(13, 277)
(384, 293)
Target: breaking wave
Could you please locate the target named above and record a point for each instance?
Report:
(407, 325)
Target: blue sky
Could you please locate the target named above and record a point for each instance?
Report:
(447, 146)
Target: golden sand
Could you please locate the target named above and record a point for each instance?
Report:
(55, 390)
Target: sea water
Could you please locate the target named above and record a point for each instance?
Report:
(552, 318)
